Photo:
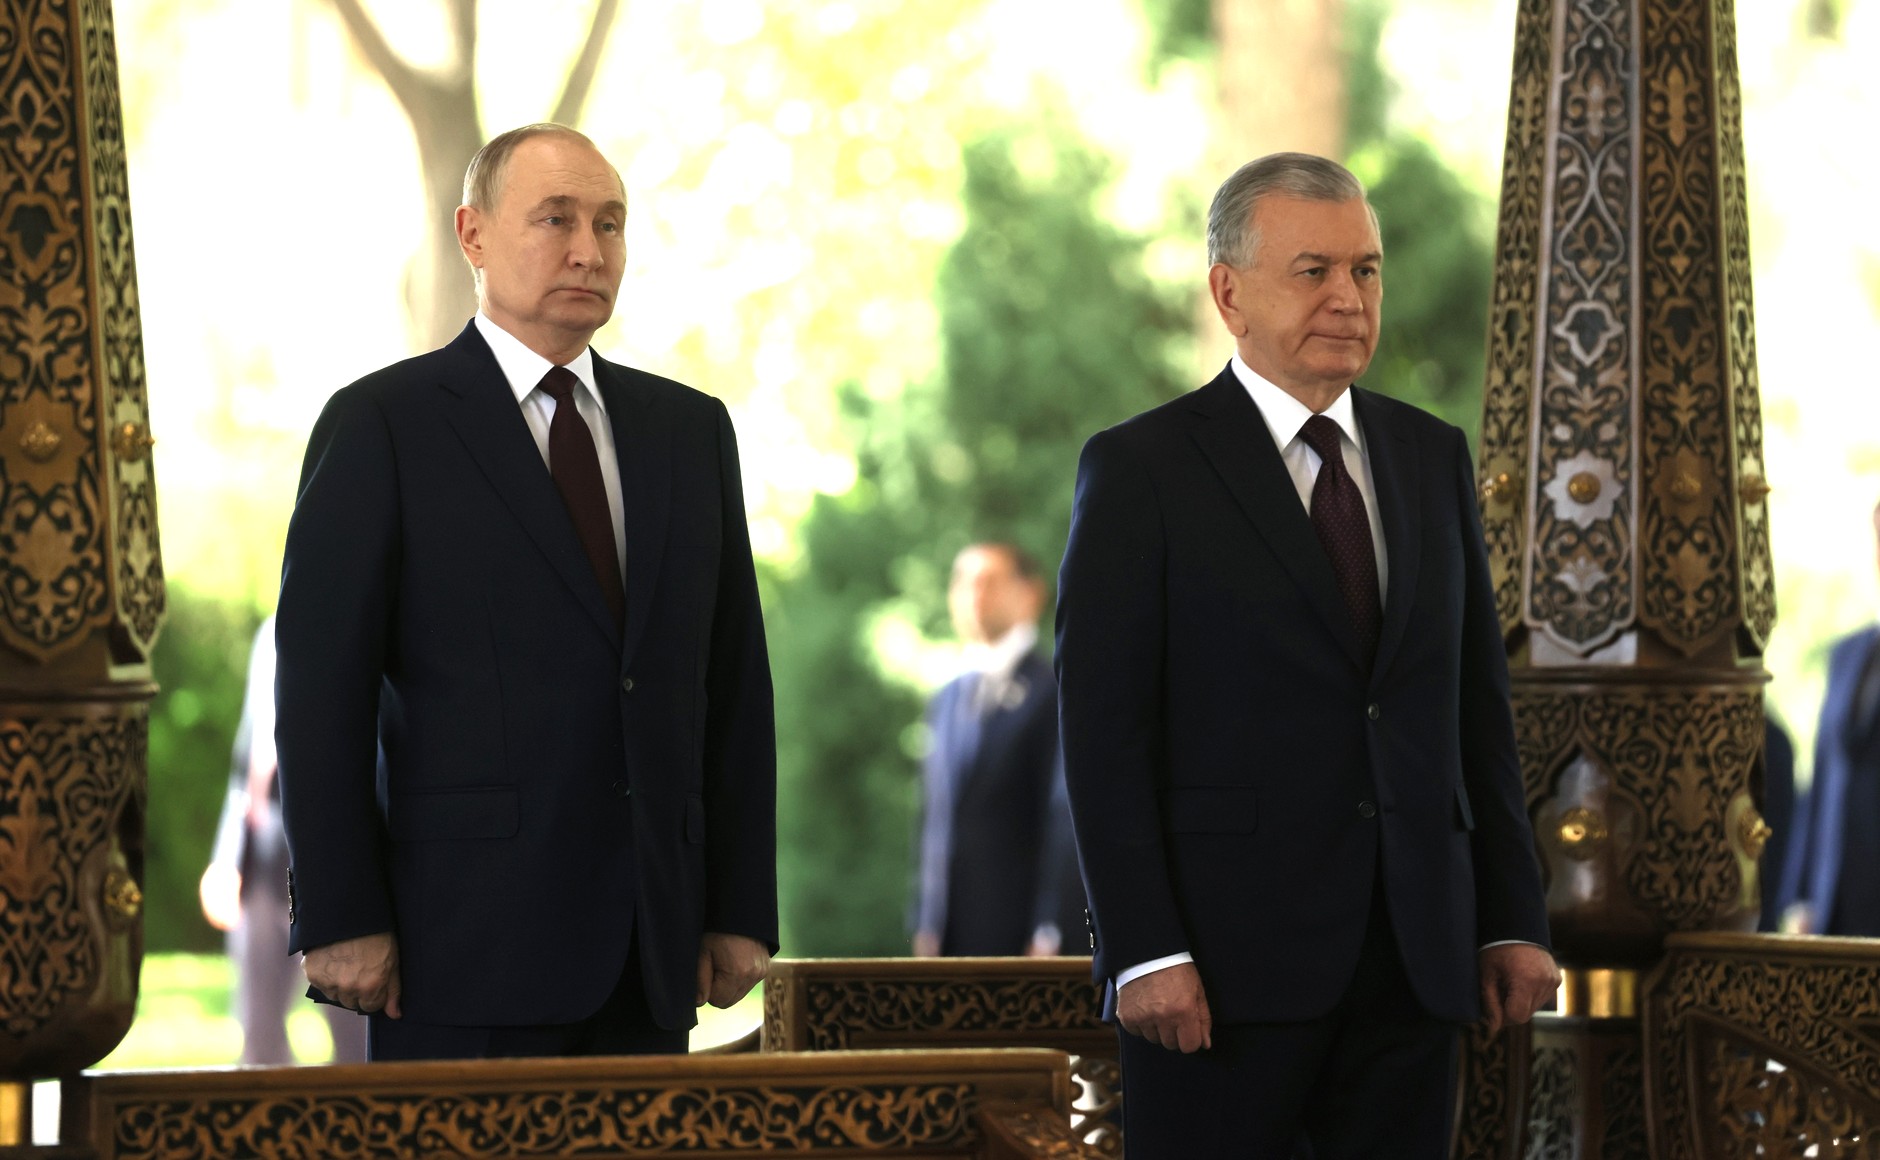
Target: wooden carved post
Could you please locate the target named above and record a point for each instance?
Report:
(81, 586)
(1622, 494)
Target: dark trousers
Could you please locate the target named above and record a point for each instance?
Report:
(1374, 1079)
(622, 1026)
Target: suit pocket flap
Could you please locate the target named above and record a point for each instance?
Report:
(694, 819)
(1211, 810)
(1465, 817)
(442, 815)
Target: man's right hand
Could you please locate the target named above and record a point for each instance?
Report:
(360, 973)
(1167, 1007)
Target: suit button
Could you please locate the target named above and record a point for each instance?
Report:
(1367, 810)
(622, 789)
(1372, 711)
(626, 684)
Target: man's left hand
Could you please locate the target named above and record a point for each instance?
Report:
(1517, 980)
(729, 965)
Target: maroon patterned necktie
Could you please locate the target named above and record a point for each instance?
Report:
(1338, 516)
(577, 470)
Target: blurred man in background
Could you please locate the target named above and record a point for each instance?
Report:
(1832, 876)
(997, 868)
(244, 890)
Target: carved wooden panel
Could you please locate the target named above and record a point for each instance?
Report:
(71, 860)
(848, 1104)
(78, 534)
(1582, 562)
(1507, 419)
(1492, 1093)
(1763, 1046)
(1640, 795)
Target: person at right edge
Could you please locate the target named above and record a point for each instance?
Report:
(1285, 712)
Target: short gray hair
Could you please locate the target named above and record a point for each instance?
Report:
(1231, 236)
(483, 180)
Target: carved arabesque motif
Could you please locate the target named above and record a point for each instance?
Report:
(78, 523)
(1780, 1037)
(1756, 571)
(856, 1117)
(1687, 529)
(1680, 756)
(1508, 396)
(68, 779)
(137, 564)
(1492, 1077)
(1553, 1101)
(1581, 573)
(1622, 1091)
(837, 1011)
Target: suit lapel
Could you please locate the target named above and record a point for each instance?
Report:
(1238, 443)
(643, 447)
(482, 410)
(1394, 474)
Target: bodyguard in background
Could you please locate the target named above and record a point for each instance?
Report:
(1832, 877)
(527, 753)
(997, 869)
(1286, 721)
(244, 888)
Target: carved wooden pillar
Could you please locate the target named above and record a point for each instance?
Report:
(81, 585)
(1622, 484)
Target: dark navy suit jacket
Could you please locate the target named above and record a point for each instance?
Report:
(546, 788)
(1834, 860)
(995, 833)
(1236, 771)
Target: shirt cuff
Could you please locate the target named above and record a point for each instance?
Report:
(1126, 977)
(1511, 942)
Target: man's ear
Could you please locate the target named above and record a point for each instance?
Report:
(470, 234)
(1224, 284)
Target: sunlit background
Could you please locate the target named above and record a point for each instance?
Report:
(922, 250)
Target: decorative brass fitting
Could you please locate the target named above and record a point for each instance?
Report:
(1582, 832)
(132, 441)
(1754, 488)
(1583, 487)
(122, 898)
(40, 442)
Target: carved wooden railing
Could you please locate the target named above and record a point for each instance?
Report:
(1763, 1046)
(841, 1004)
(995, 1105)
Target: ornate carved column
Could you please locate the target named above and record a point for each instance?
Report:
(1622, 485)
(81, 585)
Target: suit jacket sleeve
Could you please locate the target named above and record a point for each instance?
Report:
(1510, 902)
(1111, 630)
(740, 732)
(337, 593)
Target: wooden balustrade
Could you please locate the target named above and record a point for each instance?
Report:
(976, 1104)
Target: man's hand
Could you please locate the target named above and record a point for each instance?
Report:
(360, 973)
(729, 965)
(1799, 918)
(926, 944)
(1167, 1007)
(1517, 979)
(1044, 943)
(221, 893)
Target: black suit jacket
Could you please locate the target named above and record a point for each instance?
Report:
(995, 833)
(546, 788)
(1235, 770)
(1830, 864)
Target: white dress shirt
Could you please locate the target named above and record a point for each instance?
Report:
(996, 663)
(524, 370)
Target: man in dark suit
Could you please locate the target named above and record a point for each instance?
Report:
(1832, 877)
(997, 874)
(1284, 703)
(525, 730)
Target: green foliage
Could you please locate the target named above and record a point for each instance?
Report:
(1050, 330)
(1438, 244)
(1182, 29)
(201, 665)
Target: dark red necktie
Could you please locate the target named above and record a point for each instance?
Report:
(577, 471)
(1344, 529)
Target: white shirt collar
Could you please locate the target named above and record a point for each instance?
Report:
(524, 368)
(1002, 655)
(1285, 415)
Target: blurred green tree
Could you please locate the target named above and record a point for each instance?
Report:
(1050, 330)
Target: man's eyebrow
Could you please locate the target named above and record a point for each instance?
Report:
(562, 201)
(1370, 257)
